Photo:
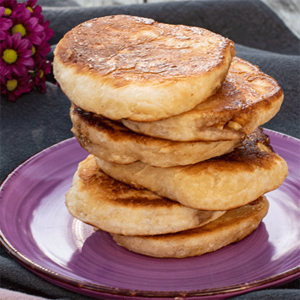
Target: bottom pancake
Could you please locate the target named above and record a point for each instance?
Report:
(113, 206)
(232, 227)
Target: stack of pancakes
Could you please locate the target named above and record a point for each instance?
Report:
(178, 165)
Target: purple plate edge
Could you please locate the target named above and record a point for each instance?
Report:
(99, 290)
(114, 293)
(23, 164)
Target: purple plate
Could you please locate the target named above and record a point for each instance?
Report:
(36, 228)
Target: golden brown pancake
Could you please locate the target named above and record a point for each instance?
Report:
(232, 227)
(248, 98)
(135, 68)
(113, 142)
(220, 183)
(113, 206)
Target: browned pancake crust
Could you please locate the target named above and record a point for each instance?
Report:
(99, 122)
(255, 152)
(118, 45)
(91, 176)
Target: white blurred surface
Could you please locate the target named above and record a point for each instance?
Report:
(287, 10)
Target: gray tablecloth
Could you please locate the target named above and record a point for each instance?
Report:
(37, 121)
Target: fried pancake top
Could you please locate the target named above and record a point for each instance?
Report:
(247, 99)
(221, 183)
(144, 59)
(111, 205)
(121, 194)
(132, 49)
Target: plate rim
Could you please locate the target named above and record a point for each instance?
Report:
(70, 283)
(104, 290)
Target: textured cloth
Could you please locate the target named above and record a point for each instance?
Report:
(37, 121)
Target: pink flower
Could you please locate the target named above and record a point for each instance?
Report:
(10, 4)
(24, 46)
(40, 52)
(35, 10)
(15, 55)
(40, 75)
(47, 31)
(27, 26)
(5, 24)
(13, 86)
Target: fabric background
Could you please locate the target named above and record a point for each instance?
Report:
(37, 121)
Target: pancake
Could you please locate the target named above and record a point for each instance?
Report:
(135, 68)
(113, 142)
(220, 183)
(105, 203)
(232, 227)
(247, 99)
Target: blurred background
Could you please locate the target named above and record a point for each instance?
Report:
(287, 10)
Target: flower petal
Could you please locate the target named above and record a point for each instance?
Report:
(36, 40)
(16, 38)
(24, 43)
(25, 53)
(33, 22)
(5, 23)
(19, 70)
(4, 71)
(3, 36)
(29, 62)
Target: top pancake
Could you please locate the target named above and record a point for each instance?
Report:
(248, 98)
(135, 68)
